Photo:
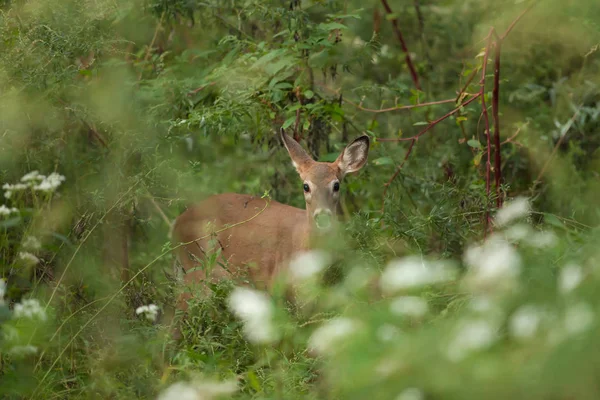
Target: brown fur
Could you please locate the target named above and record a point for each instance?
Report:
(257, 237)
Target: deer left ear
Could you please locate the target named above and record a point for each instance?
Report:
(354, 156)
(299, 156)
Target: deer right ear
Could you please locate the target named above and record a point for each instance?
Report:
(354, 156)
(299, 156)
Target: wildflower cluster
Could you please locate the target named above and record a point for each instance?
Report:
(150, 311)
(4, 210)
(35, 181)
(198, 390)
(30, 308)
(255, 309)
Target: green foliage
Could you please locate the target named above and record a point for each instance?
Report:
(147, 106)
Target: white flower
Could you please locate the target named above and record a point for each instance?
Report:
(50, 183)
(197, 390)
(413, 272)
(482, 304)
(513, 210)
(525, 322)
(10, 333)
(7, 211)
(32, 176)
(28, 258)
(385, 49)
(471, 335)
(388, 366)
(410, 306)
(570, 277)
(578, 318)
(150, 311)
(325, 337)
(358, 42)
(387, 332)
(411, 394)
(517, 232)
(542, 239)
(11, 188)
(487, 306)
(306, 264)
(23, 350)
(29, 308)
(32, 243)
(493, 265)
(255, 309)
(2, 291)
(180, 391)
(16, 186)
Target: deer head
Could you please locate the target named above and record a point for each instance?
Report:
(321, 181)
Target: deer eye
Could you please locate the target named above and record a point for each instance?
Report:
(306, 188)
(336, 187)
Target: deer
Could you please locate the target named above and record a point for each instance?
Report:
(256, 236)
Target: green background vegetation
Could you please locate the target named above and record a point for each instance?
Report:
(148, 106)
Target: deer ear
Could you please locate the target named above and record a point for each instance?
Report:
(354, 156)
(299, 156)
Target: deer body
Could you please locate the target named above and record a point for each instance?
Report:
(262, 235)
(258, 237)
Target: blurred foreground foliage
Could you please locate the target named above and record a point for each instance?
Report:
(147, 106)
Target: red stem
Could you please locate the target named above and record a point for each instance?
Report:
(487, 131)
(409, 63)
(495, 100)
(413, 140)
(512, 24)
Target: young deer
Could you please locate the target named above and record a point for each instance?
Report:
(258, 237)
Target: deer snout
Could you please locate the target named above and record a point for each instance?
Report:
(323, 218)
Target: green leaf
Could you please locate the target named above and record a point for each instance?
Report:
(10, 223)
(383, 161)
(253, 381)
(332, 25)
(288, 122)
(474, 143)
(551, 219)
(309, 94)
(477, 158)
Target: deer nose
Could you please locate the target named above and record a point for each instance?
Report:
(323, 218)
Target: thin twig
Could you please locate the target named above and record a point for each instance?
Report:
(512, 25)
(409, 63)
(510, 139)
(193, 92)
(486, 119)
(413, 140)
(563, 134)
(398, 169)
(149, 49)
(495, 114)
(160, 211)
(120, 290)
(383, 110)
(431, 124)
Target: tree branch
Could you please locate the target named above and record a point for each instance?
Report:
(495, 113)
(409, 63)
(486, 119)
